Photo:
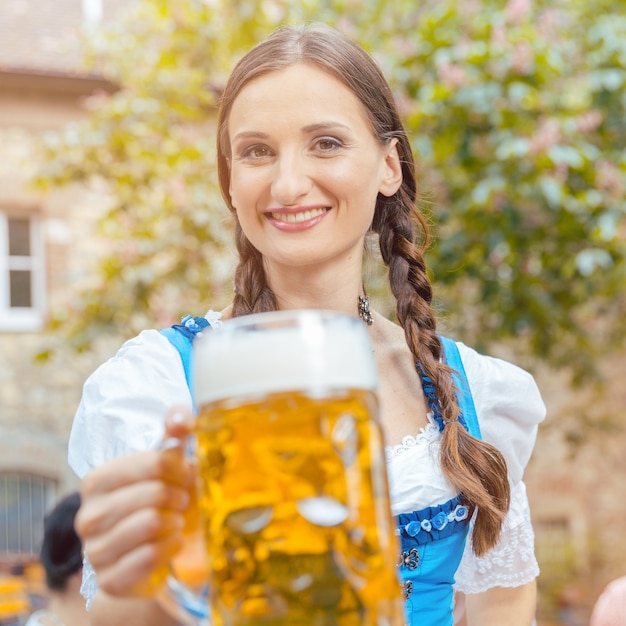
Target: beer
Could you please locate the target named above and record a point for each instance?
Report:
(293, 490)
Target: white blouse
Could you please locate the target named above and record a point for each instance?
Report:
(124, 402)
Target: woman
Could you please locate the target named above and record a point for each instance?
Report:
(312, 157)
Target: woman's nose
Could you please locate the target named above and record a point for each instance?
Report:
(291, 180)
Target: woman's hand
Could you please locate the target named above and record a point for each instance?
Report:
(132, 514)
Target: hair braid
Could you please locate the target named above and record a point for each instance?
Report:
(474, 467)
(252, 293)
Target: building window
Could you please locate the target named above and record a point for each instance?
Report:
(24, 501)
(21, 273)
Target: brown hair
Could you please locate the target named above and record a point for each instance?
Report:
(475, 468)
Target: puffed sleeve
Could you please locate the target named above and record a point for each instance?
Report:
(508, 404)
(512, 562)
(125, 400)
(122, 410)
(510, 409)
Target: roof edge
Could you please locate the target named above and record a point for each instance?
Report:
(78, 83)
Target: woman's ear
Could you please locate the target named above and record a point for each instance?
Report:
(392, 175)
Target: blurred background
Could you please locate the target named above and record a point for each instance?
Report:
(110, 222)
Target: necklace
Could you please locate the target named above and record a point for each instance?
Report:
(364, 309)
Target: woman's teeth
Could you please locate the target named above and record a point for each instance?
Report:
(294, 218)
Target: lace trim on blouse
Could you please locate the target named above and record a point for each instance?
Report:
(426, 435)
(511, 563)
(214, 318)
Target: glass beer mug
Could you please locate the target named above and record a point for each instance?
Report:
(293, 494)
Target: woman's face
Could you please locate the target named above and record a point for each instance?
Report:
(306, 167)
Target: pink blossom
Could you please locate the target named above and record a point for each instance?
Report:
(547, 24)
(523, 58)
(608, 177)
(452, 75)
(548, 134)
(518, 10)
(589, 121)
(499, 34)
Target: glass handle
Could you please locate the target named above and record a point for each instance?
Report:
(188, 606)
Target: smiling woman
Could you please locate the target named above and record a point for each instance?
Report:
(295, 173)
(312, 156)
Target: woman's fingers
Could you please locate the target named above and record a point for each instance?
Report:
(101, 513)
(133, 573)
(132, 513)
(145, 526)
(167, 465)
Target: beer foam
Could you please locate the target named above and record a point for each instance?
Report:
(323, 351)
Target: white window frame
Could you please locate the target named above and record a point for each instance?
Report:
(22, 319)
(21, 521)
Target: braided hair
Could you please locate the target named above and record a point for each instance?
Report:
(477, 469)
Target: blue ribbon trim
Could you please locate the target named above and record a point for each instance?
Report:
(433, 522)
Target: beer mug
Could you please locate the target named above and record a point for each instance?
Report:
(293, 494)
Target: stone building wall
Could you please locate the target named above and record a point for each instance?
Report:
(42, 88)
(42, 396)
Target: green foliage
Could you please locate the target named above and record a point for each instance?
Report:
(518, 114)
(516, 111)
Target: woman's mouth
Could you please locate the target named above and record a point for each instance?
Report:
(299, 216)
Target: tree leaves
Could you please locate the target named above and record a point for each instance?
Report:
(516, 114)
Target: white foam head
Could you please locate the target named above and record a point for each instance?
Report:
(283, 351)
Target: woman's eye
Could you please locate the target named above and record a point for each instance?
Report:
(256, 152)
(328, 144)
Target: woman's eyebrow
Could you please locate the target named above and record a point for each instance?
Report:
(311, 128)
(250, 134)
